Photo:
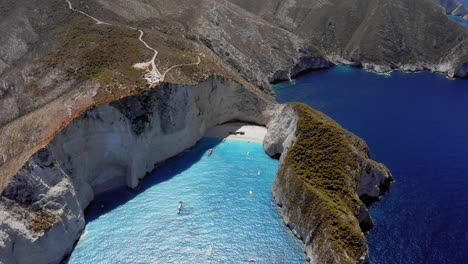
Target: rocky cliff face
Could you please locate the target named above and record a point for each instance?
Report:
(41, 208)
(56, 64)
(325, 176)
(52, 58)
(115, 144)
(377, 35)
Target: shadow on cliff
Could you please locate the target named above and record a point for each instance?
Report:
(108, 201)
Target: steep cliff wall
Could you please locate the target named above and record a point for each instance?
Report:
(41, 209)
(325, 173)
(380, 35)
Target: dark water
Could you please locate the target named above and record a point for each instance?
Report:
(417, 124)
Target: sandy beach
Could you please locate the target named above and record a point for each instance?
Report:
(251, 132)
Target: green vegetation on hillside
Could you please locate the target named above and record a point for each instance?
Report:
(99, 52)
(326, 161)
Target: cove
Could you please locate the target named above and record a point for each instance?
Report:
(221, 222)
(416, 124)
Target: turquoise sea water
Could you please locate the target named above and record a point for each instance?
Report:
(417, 124)
(220, 221)
(459, 20)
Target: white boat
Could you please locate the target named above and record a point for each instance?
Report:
(210, 151)
(179, 207)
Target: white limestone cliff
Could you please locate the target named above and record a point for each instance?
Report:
(41, 209)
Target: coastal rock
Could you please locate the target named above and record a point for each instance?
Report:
(359, 31)
(310, 63)
(41, 208)
(281, 131)
(374, 181)
(304, 65)
(317, 188)
(41, 212)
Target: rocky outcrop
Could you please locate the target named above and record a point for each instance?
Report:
(41, 208)
(41, 212)
(304, 65)
(324, 169)
(281, 131)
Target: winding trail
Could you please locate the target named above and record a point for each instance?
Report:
(83, 13)
(152, 76)
(181, 65)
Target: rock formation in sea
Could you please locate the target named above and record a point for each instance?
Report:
(72, 102)
(325, 182)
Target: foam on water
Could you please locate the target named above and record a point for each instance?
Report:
(220, 221)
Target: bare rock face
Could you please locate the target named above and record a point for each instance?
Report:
(318, 194)
(41, 208)
(41, 212)
(281, 131)
(384, 35)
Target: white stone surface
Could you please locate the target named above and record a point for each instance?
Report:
(281, 131)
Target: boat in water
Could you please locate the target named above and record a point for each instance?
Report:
(179, 207)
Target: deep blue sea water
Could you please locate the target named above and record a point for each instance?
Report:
(417, 124)
(220, 221)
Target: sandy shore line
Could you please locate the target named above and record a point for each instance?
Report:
(252, 132)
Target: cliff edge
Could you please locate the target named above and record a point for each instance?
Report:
(325, 176)
(113, 144)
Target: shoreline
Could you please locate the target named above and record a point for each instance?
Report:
(252, 132)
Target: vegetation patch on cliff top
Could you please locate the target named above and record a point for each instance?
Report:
(328, 160)
(106, 54)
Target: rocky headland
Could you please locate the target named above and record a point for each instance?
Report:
(324, 184)
(77, 119)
